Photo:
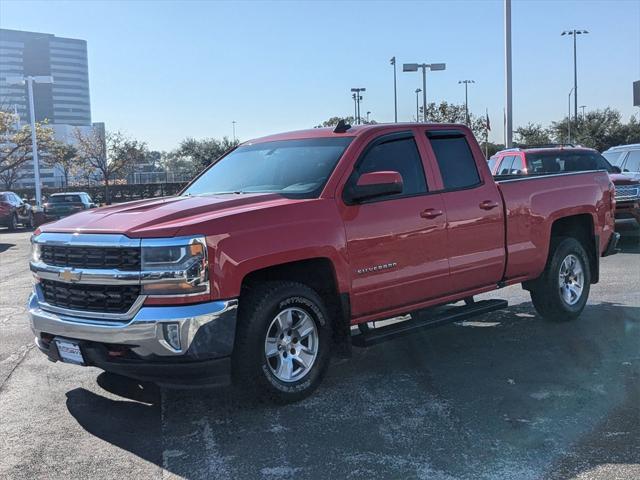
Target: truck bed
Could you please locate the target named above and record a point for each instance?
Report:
(531, 207)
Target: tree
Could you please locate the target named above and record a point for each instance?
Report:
(107, 155)
(446, 112)
(599, 129)
(201, 153)
(15, 145)
(65, 157)
(532, 134)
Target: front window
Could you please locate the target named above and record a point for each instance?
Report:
(566, 161)
(295, 168)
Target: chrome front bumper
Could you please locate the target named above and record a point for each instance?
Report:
(207, 330)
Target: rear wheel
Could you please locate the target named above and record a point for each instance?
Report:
(561, 292)
(283, 341)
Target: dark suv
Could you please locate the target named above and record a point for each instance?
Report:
(14, 210)
(545, 160)
(63, 204)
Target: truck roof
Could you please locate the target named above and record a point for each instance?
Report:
(354, 131)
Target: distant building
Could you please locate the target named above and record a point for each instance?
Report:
(65, 104)
(67, 100)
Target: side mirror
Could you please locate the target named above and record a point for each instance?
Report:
(615, 169)
(372, 185)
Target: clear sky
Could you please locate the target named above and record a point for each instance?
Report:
(163, 70)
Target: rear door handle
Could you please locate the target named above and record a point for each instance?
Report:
(488, 204)
(430, 213)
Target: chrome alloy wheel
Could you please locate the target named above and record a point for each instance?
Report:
(291, 344)
(571, 280)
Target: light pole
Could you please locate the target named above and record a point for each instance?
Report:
(368, 113)
(508, 112)
(395, 90)
(583, 107)
(30, 80)
(355, 108)
(413, 67)
(569, 117)
(357, 98)
(466, 98)
(418, 90)
(233, 122)
(575, 34)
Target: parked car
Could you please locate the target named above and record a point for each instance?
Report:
(60, 205)
(259, 268)
(626, 158)
(14, 211)
(559, 158)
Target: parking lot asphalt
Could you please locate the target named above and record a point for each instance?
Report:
(509, 396)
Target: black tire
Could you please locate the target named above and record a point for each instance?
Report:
(29, 223)
(13, 222)
(259, 306)
(546, 293)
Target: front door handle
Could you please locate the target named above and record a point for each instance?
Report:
(488, 204)
(430, 213)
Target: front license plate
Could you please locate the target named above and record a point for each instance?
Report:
(69, 352)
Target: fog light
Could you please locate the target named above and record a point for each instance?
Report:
(172, 334)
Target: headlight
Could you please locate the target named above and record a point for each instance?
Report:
(36, 251)
(175, 266)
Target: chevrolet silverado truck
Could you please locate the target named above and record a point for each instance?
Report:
(269, 260)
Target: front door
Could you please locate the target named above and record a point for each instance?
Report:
(396, 244)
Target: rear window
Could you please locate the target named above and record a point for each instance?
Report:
(65, 199)
(566, 161)
(455, 160)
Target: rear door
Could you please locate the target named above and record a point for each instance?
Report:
(396, 244)
(474, 207)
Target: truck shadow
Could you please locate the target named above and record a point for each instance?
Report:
(508, 396)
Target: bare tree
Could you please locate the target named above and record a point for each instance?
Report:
(15, 142)
(65, 157)
(107, 155)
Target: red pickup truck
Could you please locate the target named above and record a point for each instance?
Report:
(258, 270)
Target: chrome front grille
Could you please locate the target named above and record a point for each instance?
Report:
(90, 298)
(126, 259)
(626, 193)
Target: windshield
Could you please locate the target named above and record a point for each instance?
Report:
(614, 158)
(566, 161)
(297, 168)
(65, 199)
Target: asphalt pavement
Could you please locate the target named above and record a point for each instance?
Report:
(507, 396)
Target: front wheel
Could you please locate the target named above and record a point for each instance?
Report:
(283, 341)
(13, 222)
(561, 293)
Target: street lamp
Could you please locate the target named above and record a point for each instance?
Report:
(575, 34)
(413, 67)
(233, 122)
(357, 97)
(30, 80)
(583, 107)
(395, 90)
(466, 98)
(418, 90)
(569, 116)
(368, 113)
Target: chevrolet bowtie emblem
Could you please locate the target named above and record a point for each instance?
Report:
(69, 275)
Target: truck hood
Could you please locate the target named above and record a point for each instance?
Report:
(162, 217)
(624, 179)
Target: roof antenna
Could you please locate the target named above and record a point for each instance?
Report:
(341, 127)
